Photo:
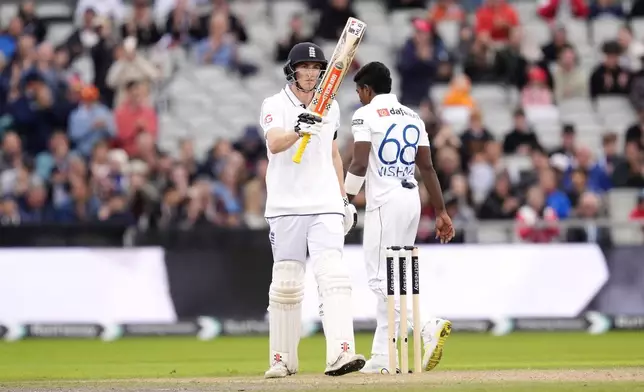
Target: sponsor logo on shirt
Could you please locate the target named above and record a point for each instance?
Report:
(383, 112)
(357, 121)
(268, 119)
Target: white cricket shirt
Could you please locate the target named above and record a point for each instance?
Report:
(310, 187)
(395, 132)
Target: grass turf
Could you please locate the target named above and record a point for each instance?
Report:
(237, 356)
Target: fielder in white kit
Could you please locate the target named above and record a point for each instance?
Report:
(389, 141)
(305, 209)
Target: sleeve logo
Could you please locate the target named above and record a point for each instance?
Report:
(268, 119)
(357, 121)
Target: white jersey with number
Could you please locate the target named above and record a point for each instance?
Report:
(395, 132)
(310, 187)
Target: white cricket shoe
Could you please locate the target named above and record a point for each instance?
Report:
(346, 363)
(277, 370)
(377, 364)
(435, 332)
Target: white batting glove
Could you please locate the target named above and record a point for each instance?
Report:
(308, 123)
(350, 216)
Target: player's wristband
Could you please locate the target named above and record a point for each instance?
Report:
(353, 183)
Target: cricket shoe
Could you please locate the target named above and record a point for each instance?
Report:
(346, 363)
(376, 365)
(277, 370)
(434, 334)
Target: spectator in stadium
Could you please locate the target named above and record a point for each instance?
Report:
(32, 24)
(219, 48)
(522, 138)
(630, 172)
(445, 10)
(536, 222)
(636, 95)
(295, 36)
(570, 80)
(465, 42)
(9, 38)
(479, 63)
(559, 42)
(81, 206)
(84, 37)
(103, 54)
(130, 66)
(606, 8)
(473, 140)
(9, 213)
(588, 212)
(56, 157)
(418, 63)
(460, 93)
(609, 78)
(34, 204)
(255, 197)
(183, 23)
(11, 153)
(187, 158)
(635, 133)
(610, 156)
(484, 168)
(461, 190)
(511, 65)
(333, 19)
(496, 18)
(35, 114)
(91, 122)
(235, 26)
(598, 179)
(133, 117)
(554, 197)
(568, 142)
(447, 166)
(632, 49)
(548, 9)
(501, 203)
(579, 185)
(141, 25)
(251, 146)
(536, 92)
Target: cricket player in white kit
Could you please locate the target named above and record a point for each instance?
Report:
(306, 207)
(389, 141)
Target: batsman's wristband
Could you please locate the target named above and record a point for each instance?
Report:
(353, 183)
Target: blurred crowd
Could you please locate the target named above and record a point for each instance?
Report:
(77, 148)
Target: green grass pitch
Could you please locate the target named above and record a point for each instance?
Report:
(471, 362)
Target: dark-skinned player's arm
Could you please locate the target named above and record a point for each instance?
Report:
(444, 229)
(360, 161)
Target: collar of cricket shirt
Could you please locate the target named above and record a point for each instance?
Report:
(292, 97)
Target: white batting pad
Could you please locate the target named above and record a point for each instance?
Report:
(334, 284)
(285, 312)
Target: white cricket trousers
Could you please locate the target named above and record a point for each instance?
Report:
(394, 223)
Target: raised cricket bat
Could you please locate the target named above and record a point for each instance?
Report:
(338, 66)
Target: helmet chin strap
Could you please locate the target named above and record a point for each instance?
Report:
(297, 86)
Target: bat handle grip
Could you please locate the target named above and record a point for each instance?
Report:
(297, 158)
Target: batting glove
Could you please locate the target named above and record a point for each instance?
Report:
(308, 123)
(350, 216)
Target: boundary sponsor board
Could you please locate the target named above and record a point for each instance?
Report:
(486, 282)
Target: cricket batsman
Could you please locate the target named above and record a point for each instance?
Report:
(306, 208)
(389, 141)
